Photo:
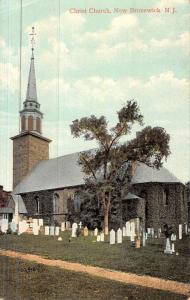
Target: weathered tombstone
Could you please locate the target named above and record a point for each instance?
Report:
(80, 224)
(22, 226)
(4, 225)
(63, 226)
(119, 236)
(152, 232)
(35, 229)
(13, 226)
(68, 225)
(144, 239)
(46, 230)
(41, 222)
(173, 248)
(35, 222)
(98, 238)
(85, 231)
(102, 237)
(52, 230)
(57, 230)
(168, 249)
(124, 231)
(173, 237)
(95, 231)
(112, 237)
(180, 231)
(59, 238)
(159, 232)
(74, 230)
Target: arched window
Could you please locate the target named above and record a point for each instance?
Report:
(165, 197)
(77, 202)
(55, 203)
(23, 123)
(37, 204)
(38, 125)
(30, 123)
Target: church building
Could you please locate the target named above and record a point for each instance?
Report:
(50, 188)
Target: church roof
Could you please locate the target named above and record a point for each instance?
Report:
(31, 94)
(64, 171)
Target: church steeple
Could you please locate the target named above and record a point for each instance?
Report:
(30, 115)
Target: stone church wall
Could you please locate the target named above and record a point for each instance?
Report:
(157, 211)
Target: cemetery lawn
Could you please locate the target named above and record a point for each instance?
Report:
(149, 260)
(26, 280)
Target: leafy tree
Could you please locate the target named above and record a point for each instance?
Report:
(112, 164)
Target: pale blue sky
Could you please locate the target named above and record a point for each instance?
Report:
(93, 63)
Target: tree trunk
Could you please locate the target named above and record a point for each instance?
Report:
(106, 228)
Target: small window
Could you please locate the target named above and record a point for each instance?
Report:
(37, 202)
(55, 203)
(165, 197)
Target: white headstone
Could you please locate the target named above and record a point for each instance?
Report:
(144, 239)
(46, 230)
(152, 232)
(41, 222)
(149, 231)
(57, 230)
(98, 238)
(80, 224)
(173, 248)
(102, 237)
(22, 226)
(59, 238)
(4, 225)
(124, 231)
(63, 226)
(68, 225)
(159, 232)
(35, 222)
(173, 237)
(13, 226)
(168, 249)
(35, 229)
(186, 228)
(52, 230)
(112, 237)
(119, 236)
(95, 231)
(74, 230)
(180, 231)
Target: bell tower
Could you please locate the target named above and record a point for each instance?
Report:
(29, 146)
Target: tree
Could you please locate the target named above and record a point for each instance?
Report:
(111, 165)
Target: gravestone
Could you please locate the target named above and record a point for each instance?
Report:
(57, 230)
(112, 237)
(124, 231)
(22, 226)
(149, 231)
(35, 229)
(173, 248)
(152, 232)
(102, 237)
(68, 225)
(41, 222)
(13, 226)
(74, 230)
(168, 249)
(59, 238)
(119, 236)
(35, 222)
(4, 225)
(98, 238)
(144, 239)
(63, 226)
(159, 232)
(52, 230)
(146, 235)
(173, 237)
(80, 224)
(95, 231)
(85, 231)
(46, 230)
(186, 228)
(180, 231)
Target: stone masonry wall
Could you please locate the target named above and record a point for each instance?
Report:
(28, 151)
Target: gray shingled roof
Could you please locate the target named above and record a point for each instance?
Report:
(64, 171)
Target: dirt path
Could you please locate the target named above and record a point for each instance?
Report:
(146, 281)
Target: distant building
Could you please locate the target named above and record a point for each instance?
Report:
(4, 199)
(49, 188)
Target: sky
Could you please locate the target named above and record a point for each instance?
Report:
(92, 63)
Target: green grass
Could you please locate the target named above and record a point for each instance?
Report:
(26, 281)
(149, 260)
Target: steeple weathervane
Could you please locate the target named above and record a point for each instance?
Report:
(32, 40)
